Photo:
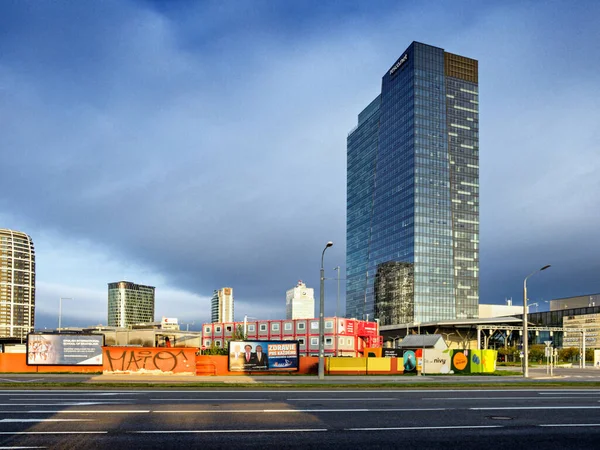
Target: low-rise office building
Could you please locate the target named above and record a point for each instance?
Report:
(343, 337)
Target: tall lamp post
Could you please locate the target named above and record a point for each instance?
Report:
(525, 335)
(337, 304)
(321, 317)
(60, 310)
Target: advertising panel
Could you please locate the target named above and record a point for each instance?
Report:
(263, 356)
(367, 328)
(391, 353)
(436, 361)
(65, 349)
(460, 362)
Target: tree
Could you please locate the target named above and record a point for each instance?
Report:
(238, 334)
(536, 353)
(214, 350)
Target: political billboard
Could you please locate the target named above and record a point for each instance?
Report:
(263, 356)
(65, 349)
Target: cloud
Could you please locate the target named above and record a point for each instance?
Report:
(197, 146)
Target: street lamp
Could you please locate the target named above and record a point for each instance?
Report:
(337, 304)
(321, 318)
(525, 336)
(60, 310)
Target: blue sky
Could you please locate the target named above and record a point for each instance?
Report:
(195, 145)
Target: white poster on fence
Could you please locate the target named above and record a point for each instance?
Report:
(436, 361)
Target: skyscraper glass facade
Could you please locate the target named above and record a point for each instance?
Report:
(413, 193)
(130, 304)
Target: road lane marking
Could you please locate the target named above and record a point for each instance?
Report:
(570, 393)
(45, 420)
(278, 411)
(462, 427)
(90, 401)
(571, 425)
(291, 430)
(60, 404)
(532, 407)
(13, 433)
(85, 411)
(496, 398)
(78, 393)
(211, 399)
(344, 399)
(14, 448)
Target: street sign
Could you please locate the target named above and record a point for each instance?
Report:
(548, 343)
(548, 352)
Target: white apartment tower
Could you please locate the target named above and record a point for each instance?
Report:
(221, 305)
(17, 284)
(300, 302)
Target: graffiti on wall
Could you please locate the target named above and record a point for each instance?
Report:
(135, 360)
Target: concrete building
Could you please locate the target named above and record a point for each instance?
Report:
(300, 302)
(221, 305)
(579, 301)
(129, 304)
(17, 284)
(413, 193)
(343, 337)
(488, 311)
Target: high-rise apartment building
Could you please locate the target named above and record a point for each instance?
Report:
(413, 193)
(300, 302)
(221, 305)
(130, 303)
(17, 284)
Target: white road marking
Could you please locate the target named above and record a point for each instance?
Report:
(496, 398)
(86, 411)
(3, 448)
(298, 430)
(38, 394)
(90, 401)
(12, 433)
(462, 427)
(343, 399)
(495, 408)
(571, 425)
(59, 404)
(570, 393)
(278, 411)
(45, 420)
(211, 399)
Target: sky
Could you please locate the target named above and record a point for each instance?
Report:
(195, 145)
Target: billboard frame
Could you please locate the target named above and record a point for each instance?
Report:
(265, 343)
(61, 337)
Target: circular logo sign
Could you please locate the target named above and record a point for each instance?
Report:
(460, 361)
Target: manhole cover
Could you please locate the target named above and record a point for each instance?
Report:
(500, 418)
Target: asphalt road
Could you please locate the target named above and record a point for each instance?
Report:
(537, 374)
(264, 418)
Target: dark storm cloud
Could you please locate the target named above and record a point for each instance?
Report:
(207, 143)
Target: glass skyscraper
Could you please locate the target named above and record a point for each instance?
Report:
(130, 304)
(413, 193)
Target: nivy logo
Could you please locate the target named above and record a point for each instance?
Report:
(399, 64)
